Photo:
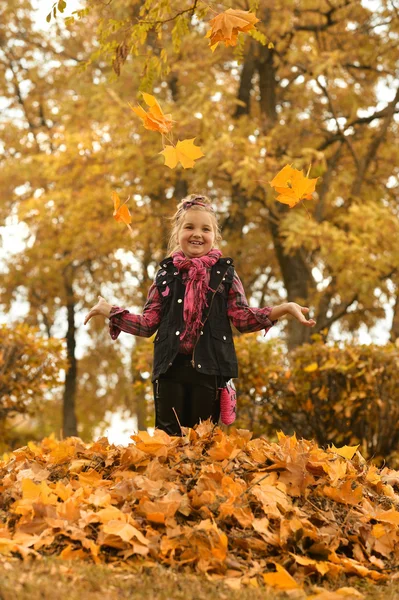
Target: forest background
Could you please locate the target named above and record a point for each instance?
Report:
(314, 84)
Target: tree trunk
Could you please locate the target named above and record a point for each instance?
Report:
(296, 277)
(297, 282)
(139, 400)
(141, 413)
(69, 417)
(395, 321)
(244, 91)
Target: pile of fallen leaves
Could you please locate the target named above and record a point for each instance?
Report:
(247, 510)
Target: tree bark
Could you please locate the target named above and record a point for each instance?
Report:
(244, 90)
(296, 276)
(267, 87)
(395, 321)
(297, 282)
(141, 414)
(69, 416)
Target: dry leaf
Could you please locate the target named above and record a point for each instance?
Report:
(208, 502)
(121, 212)
(281, 579)
(346, 451)
(293, 186)
(154, 119)
(226, 26)
(184, 153)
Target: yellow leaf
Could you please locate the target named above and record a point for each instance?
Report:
(292, 186)
(345, 494)
(125, 531)
(346, 451)
(7, 546)
(312, 367)
(281, 579)
(378, 530)
(30, 491)
(388, 516)
(184, 152)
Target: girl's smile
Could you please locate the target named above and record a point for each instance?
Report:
(196, 235)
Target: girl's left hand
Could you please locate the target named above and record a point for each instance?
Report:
(299, 312)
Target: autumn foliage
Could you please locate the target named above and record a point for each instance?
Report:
(335, 395)
(340, 395)
(226, 505)
(29, 367)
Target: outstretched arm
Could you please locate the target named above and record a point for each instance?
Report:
(120, 319)
(247, 319)
(294, 309)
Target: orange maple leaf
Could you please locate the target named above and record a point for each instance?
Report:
(184, 152)
(293, 186)
(121, 212)
(154, 119)
(227, 25)
(281, 579)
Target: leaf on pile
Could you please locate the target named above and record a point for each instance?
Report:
(154, 119)
(281, 579)
(345, 451)
(226, 26)
(293, 186)
(248, 510)
(185, 153)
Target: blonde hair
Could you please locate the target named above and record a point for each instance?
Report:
(178, 218)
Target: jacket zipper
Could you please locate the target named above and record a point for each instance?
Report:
(203, 325)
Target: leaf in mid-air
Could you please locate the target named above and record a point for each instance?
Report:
(226, 26)
(293, 186)
(184, 152)
(121, 212)
(154, 119)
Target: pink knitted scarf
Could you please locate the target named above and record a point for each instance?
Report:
(197, 285)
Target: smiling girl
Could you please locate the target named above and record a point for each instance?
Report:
(194, 298)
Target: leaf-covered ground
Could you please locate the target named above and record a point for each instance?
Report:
(242, 511)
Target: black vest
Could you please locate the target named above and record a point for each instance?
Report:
(214, 352)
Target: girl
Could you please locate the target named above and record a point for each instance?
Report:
(195, 295)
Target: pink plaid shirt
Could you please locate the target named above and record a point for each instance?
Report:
(243, 317)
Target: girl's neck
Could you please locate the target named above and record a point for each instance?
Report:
(189, 257)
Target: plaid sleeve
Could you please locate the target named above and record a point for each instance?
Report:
(245, 318)
(143, 325)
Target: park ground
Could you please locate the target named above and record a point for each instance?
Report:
(51, 578)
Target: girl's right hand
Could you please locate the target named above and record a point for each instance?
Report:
(102, 308)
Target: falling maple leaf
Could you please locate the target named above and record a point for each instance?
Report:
(293, 186)
(154, 119)
(184, 152)
(226, 26)
(121, 212)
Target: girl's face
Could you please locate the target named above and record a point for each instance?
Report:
(196, 234)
